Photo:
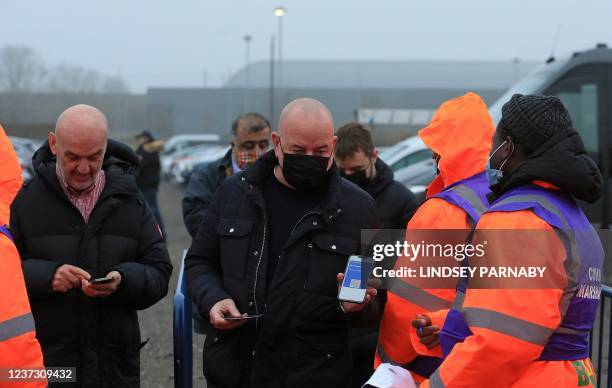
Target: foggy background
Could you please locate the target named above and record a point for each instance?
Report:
(184, 66)
(194, 43)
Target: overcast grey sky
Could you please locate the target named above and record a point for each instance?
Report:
(173, 42)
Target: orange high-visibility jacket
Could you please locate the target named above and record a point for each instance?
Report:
(492, 358)
(19, 347)
(461, 132)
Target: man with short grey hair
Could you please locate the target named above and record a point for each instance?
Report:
(92, 253)
(250, 139)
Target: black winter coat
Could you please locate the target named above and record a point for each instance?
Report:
(98, 336)
(150, 167)
(302, 338)
(203, 183)
(395, 203)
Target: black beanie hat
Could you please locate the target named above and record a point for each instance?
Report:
(532, 120)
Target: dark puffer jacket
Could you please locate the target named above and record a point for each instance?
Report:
(395, 203)
(302, 339)
(150, 165)
(99, 336)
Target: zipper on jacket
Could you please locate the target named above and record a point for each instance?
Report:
(261, 252)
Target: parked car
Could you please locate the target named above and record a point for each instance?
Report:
(183, 166)
(405, 153)
(25, 148)
(417, 177)
(177, 144)
(412, 164)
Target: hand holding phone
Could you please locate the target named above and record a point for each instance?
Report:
(246, 317)
(222, 311)
(354, 291)
(102, 287)
(103, 280)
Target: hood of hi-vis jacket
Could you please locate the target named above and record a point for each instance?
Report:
(10, 176)
(461, 132)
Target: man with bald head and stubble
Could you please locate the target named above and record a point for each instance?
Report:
(92, 253)
(269, 254)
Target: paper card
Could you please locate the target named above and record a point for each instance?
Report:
(390, 376)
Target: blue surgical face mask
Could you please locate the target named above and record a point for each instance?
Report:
(495, 175)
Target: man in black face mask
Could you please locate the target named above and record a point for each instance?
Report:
(269, 254)
(358, 161)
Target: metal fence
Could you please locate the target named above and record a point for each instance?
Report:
(601, 339)
(182, 332)
(601, 336)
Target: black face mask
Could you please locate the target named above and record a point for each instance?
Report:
(305, 172)
(359, 178)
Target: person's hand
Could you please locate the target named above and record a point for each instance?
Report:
(225, 308)
(428, 335)
(104, 289)
(68, 277)
(349, 307)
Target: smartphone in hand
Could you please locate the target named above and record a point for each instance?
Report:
(103, 280)
(243, 317)
(356, 275)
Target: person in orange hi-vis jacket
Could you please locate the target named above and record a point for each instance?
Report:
(19, 348)
(460, 136)
(520, 332)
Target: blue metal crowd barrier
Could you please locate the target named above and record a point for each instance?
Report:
(600, 335)
(182, 333)
(183, 336)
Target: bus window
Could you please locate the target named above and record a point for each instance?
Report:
(582, 106)
(580, 92)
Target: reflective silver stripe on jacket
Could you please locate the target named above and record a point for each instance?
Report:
(471, 197)
(435, 381)
(418, 296)
(17, 326)
(506, 324)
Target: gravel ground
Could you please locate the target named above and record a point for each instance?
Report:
(157, 368)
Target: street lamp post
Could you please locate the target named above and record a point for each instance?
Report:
(271, 90)
(280, 12)
(247, 41)
(247, 73)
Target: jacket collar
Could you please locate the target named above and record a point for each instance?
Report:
(225, 164)
(120, 164)
(384, 177)
(256, 175)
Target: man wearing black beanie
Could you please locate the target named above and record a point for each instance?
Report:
(538, 142)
